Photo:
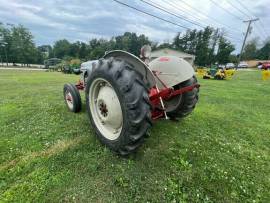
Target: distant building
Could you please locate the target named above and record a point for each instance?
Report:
(164, 52)
(254, 63)
(52, 62)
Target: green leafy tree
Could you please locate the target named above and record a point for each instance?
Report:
(98, 47)
(22, 49)
(131, 42)
(225, 48)
(186, 42)
(62, 48)
(84, 50)
(5, 43)
(250, 50)
(234, 59)
(264, 52)
(213, 46)
(196, 42)
(203, 46)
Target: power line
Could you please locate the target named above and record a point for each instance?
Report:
(146, 13)
(165, 10)
(229, 12)
(177, 7)
(248, 10)
(249, 16)
(261, 30)
(267, 34)
(178, 16)
(182, 10)
(239, 2)
(229, 2)
(152, 15)
(207, 16)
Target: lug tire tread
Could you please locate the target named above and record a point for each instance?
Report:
(77, 103)
(134, 98)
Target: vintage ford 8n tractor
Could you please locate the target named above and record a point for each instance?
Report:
(125, 94)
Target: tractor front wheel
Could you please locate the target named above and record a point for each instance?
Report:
(182, 105)
(118, 105)
(72, 98)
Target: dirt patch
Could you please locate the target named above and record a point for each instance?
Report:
(58, 147)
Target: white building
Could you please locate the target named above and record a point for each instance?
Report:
(165, 52)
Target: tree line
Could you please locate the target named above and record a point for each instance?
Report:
(253, 51)
(208, 45)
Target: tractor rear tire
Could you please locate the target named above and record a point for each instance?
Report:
(182, 105)
(118, 105)
(72, 98)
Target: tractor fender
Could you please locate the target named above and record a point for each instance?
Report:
(85, 73)
(137, 64)
(171, 70)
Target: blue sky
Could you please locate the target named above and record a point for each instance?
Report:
(51, 20)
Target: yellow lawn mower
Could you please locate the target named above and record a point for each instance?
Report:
(218, 74)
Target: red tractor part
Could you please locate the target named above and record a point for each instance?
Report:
(156, 96)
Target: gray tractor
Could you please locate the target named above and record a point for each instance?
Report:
(125, 94)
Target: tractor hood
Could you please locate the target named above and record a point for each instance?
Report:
(171, 70)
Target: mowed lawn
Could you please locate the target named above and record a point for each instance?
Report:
(220, 153)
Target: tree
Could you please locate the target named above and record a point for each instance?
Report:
(250, 50)
(5, 43)
(61, 48)
(197, 42)
(98, 47)
(225, 48)
(84, 51)
(264, 52)
(213, 46)
(203, 46)
(22, 49)
(131, 42)
(186, 42)
(234, 59)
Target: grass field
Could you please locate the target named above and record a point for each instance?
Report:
(221, 153)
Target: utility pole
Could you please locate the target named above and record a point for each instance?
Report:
(248, 30)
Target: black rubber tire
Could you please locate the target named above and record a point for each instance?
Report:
(133, 96)
(187, 102)
(218, 77)
(77, 103)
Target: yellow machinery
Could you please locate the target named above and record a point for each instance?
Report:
(215, 73)
(265, 75)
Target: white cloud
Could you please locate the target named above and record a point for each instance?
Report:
(80, 20)
(152, 33)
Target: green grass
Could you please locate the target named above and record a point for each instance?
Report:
(221, 153)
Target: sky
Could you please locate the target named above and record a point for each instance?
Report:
(51, 20)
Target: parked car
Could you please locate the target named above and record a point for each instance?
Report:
(266, 66)
(221, 66)
(230, 65)
(243, 64)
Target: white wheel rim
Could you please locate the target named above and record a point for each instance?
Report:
(105, 109)
(69, 100)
